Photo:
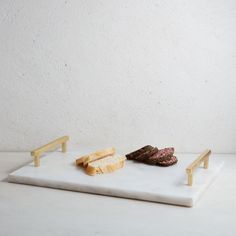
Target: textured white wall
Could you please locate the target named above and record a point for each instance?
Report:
(122, 73)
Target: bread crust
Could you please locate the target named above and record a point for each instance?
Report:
(88, 162)
(162, 155)
(173, 160)
(85, 160)
(144, 156)
(133, 155)
(91, 170)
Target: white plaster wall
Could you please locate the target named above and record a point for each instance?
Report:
(122, 73)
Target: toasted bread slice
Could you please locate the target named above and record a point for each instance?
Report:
(95, 156)
(105, 165)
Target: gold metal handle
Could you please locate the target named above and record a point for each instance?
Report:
(204, 157)
(37, 152)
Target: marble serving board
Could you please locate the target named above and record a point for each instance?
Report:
(135, 180)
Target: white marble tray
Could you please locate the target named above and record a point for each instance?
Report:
(135, 180)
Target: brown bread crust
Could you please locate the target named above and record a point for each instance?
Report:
(170, 162)
(146, 155)
(133, 155)
(162, 155)
(152, 156)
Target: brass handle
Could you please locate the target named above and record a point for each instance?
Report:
(204, 157)
(37, 152)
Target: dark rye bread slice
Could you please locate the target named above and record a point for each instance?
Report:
(153, 161)
(146, 155)
(162, 155)
(133, 155)
(170, 162)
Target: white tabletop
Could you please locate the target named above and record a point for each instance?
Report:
(28, 210)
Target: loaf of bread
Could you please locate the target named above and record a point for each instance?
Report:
(95, 156)
(105, 165)
(172, 160)
(162, 155)
(99, 162)
(146, 155)
(135, 154)
(152, 156)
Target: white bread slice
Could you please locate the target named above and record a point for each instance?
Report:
(105, 165)
(95, 156)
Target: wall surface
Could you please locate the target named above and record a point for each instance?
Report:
(121, 73)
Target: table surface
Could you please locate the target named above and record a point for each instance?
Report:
(29, 210)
